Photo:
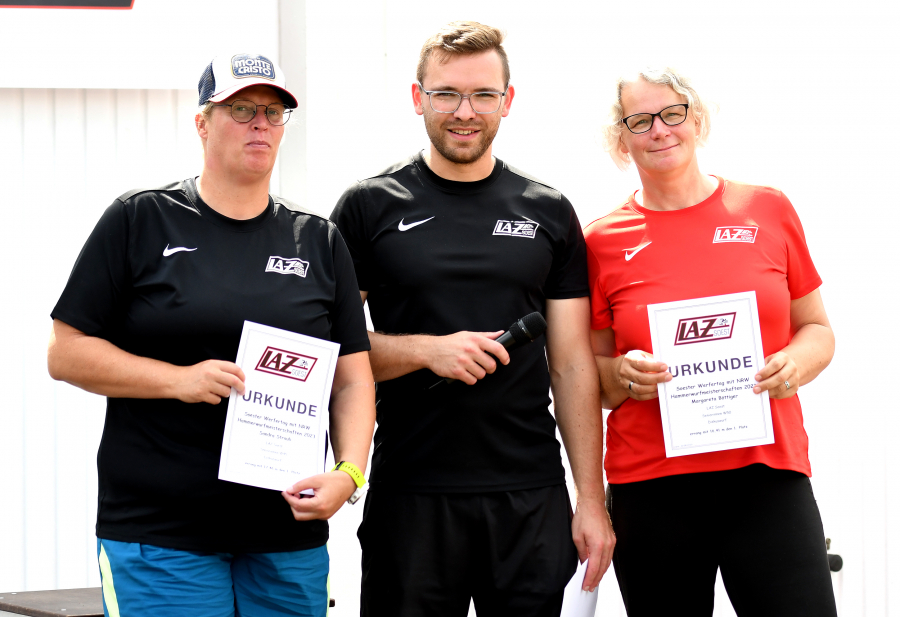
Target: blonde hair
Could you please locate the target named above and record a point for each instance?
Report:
(612, 130)
(462, 38)
(206, 111)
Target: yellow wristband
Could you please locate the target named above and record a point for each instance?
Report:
(354, 472)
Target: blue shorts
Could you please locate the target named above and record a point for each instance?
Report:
(141, 579)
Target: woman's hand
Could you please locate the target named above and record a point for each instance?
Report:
(352, 420)
(633, 375)
(639, 375)
(809, 352)
(207, 382)
(780, 377)
(331, 490)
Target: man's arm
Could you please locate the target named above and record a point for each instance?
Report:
(576, 400)
(463, 355)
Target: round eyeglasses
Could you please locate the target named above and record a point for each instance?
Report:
(448, 102)
(672, 115)
(244, 111)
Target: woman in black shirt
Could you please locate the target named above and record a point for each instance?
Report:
(151, 317)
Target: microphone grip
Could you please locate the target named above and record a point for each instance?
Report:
(506, 339)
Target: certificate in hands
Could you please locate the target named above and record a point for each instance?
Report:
(713, 349)
(276, 433)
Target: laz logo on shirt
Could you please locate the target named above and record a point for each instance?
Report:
(706, 328)
(287, 265)
(735, 234)
(286, 364)
(518, 229)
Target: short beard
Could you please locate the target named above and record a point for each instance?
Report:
(460, 156)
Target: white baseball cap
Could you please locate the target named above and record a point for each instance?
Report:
(227, 75)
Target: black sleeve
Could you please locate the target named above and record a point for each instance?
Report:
(96, 295)
(568, 276)
(350, 216)
(348, 321)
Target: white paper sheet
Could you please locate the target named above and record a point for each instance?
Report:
(576, 601)
(276, 433)
(713, 348)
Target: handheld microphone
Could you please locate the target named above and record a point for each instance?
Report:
(523, 331)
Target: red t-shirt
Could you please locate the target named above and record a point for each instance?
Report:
(742, 238)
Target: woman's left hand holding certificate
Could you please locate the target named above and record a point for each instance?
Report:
(352, 416)
(331, 490)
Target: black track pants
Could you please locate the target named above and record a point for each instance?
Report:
(426, 555)
(760, 526)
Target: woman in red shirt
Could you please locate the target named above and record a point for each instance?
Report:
(748, 511)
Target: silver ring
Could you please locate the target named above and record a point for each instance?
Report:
(629, 386)
(787, 385)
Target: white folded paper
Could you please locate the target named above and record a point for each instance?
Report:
(276, 433)
(576, 601)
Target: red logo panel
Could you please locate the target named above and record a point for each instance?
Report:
(706, 328)
(286, 363)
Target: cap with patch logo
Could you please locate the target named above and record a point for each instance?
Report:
(228, 75)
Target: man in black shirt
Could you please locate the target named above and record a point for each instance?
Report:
(468, 496)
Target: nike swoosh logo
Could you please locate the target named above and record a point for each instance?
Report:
(634, 252)
(175, 249)
(403, 227)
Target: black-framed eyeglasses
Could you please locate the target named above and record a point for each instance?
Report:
(244, 111)
(672, 115)
(448, 102)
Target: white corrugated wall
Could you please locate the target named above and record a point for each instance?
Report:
(65, 155)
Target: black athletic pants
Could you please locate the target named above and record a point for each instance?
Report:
(426, 555)
(760, 526)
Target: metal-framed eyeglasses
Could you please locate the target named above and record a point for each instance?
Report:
(244, 111)
(448, 102)
(672, 115)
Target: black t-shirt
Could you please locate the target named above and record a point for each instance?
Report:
(437, 257)
(165, 276)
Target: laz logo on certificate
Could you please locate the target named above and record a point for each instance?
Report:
(286, 363)
(706, 328)
(713, 348)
